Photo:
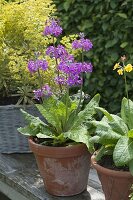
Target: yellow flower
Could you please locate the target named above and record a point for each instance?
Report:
(120, 71)
(128, 68)
(116, 66)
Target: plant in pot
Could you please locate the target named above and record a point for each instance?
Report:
(113, 158)
(60, 142)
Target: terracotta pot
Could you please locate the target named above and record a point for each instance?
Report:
(64, 170)
(115, 184)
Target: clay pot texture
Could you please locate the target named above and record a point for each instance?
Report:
(116, 185)
(64, 170)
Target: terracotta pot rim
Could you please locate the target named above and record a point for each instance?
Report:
(43, 146)
(106, 171)
(50, 151)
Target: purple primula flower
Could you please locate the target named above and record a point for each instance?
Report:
(75, 68)
(82, 43)
(52, 28)
(42, 64)
(68, 68)
(71, 80)
(44, 92)
(87, 67)
(74, 80)
(56, 52)
(33, 66)
(47, 90)
(67, 58)
(38, 94)
(60, 80)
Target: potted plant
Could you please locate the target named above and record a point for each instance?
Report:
(60, 142)
(113, 158)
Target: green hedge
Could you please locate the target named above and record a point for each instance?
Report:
(108, 24)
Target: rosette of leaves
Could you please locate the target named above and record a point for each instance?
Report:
(114, 133)
(62, 123)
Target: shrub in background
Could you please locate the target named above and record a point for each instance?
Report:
(21, 25)
(109, 25)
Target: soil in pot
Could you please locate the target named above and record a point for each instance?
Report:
(116, 182)
(65, 169)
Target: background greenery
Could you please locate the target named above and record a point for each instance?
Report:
(108, 24)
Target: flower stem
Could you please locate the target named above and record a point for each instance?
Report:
(81, 88)
(126, 89)
(67, 99)
(56, 61)
(40, 82)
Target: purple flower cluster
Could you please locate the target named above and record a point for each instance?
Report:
(52, 28)
(75, 68)
(73, 71)
(71, 80)
(61, 80)
(33, 66)
(82, 43)
(74, 80)
(44, 92)
(69, 72)
(56, 52)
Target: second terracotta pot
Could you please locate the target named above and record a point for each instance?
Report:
(64, 170)
(116, 185)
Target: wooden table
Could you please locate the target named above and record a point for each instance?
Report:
(20, 180)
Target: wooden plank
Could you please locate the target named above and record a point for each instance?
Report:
(10, 192)
(19, 172)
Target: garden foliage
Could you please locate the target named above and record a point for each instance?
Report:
(21, 25)
(115, 134)
(109, 25)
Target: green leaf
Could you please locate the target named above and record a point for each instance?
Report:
(40, 135)
(116, 123)
(100, 153)
(94, 139)
(123, 152)
(111, 43)
(65, 100)
(25, 131)
(131, 166)
(46, 114)
(66, 5)
(105, 132)
(28, 131)
(72, 117)
(105, 112)
(79, 134)
(31, 119)
(88, 112)
(124, 44)
(130, 133)
(127, 112)
(122, 15)
(113, 4)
